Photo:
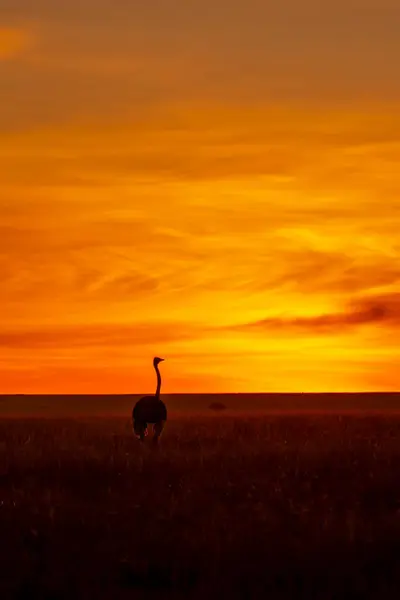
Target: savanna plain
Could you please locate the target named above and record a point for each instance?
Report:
(229, 505)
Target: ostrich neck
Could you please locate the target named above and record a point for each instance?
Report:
(158, 381)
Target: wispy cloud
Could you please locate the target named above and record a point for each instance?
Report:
(160, 183)
(105, 336)
(378, 310)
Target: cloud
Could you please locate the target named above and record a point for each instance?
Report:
(335, 149)
(313, 270)
(376, 310)
(97, 336)
(157, 172)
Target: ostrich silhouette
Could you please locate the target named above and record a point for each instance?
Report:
(150, 409)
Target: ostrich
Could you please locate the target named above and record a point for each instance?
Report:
(150, 409)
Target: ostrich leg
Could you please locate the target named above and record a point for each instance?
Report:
(157, 429)
(140, 429)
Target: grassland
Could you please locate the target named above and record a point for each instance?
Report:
(271, 507)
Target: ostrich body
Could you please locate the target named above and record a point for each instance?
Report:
(150, 409)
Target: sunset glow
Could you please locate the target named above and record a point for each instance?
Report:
(222, 192)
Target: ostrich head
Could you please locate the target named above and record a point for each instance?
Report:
(157, 360)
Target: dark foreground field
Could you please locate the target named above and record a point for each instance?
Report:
(273, 507)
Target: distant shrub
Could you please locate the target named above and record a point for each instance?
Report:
(217, 406)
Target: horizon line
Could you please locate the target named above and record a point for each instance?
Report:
(349, 393)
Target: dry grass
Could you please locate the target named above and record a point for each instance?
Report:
(278, 507)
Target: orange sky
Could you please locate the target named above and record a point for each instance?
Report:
(213, 182)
